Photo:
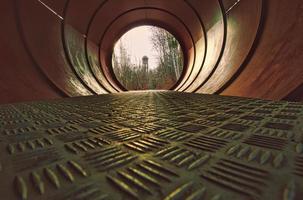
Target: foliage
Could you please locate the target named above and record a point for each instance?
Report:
(136, 76)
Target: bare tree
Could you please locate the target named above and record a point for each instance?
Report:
(135, 77)
(170, 54)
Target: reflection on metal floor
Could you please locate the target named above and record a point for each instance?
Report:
(152, 145)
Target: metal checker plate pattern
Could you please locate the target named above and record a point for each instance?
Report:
(152, 145)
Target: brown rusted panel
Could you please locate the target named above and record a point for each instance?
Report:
(81, 24)
(242, 26)
(79, 13)
(93, 59)
(180, 10)
(276, 66)
(75, 47)
(45, 44)
(20, 77)
(107, 13)
(265, 65)
(211, 15)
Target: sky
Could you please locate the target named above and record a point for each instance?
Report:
(138, 43)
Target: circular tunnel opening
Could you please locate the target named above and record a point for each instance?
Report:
(147, 58)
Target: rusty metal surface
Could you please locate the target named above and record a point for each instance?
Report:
(82, 25)
(20, 78)
(50, 45)
(242, 23)
(75, 47)
(152, 145)
(60, 48)
(213, 19)
(44, 41)
(275, 68)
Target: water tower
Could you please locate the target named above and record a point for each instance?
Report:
(145, 63)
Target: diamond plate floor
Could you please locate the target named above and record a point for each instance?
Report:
(152, 145)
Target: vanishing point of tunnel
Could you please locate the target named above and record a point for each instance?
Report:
(230, 128)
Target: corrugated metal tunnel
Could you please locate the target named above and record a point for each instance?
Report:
(63, 48)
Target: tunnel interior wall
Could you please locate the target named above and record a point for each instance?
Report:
(62, 48)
